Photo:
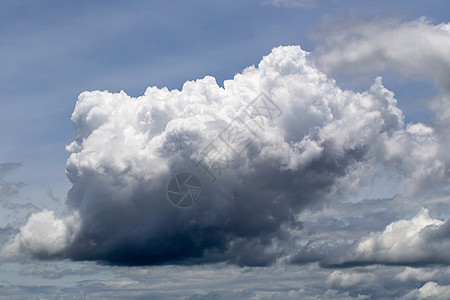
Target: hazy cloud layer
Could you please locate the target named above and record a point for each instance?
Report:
(293, 3)
(222, 281)
(416, 49)
(8, 189)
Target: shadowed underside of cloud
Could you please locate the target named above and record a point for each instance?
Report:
(314, 140)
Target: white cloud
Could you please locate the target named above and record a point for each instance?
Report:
(430, 290)
(341, 280)
(425, 166)
(43, 235)
(417, 241)
(416, 274)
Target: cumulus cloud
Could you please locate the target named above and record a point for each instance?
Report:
(42, 236)
(426, 166)
(430, 290)
(348, 280)
(420, 240)
(305, 140)
(126, 150)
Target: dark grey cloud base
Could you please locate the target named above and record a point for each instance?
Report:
(236, 226)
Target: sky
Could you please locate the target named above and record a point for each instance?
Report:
(314, 136)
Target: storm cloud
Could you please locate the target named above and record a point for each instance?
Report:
(307, 140)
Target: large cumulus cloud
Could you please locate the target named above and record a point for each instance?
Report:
(321, 139)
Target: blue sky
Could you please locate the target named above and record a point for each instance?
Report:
(51, 51)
